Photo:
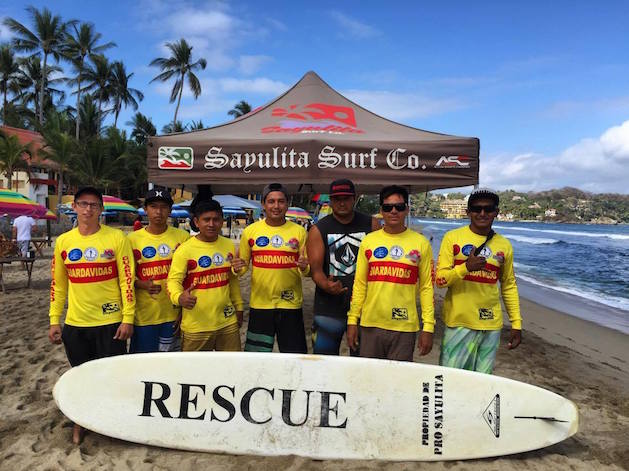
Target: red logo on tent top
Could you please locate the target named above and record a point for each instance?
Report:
(314, 118)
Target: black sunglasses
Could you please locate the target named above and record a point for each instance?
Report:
(477, 208)
(387, 208)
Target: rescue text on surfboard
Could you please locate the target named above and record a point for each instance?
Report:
(225, 404)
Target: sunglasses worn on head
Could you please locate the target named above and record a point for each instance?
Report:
(387, 208)
(477, 208)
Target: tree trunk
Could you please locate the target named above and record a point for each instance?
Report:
(100, 106)
(116, 117)
(59, 190)
(178, 101)
(41, 90)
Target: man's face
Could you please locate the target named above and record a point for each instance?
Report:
(209, 224)
(395, 217)
(482, 213)
(88, 209)
(342, 205)
(157, 212)
(275, 205)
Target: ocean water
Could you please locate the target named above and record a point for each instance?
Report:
(587, 261)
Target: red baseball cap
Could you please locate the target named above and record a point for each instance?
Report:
(342, 187)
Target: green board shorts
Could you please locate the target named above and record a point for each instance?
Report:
(469, 349)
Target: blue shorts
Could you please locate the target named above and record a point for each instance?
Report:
(327, 333)
(154, 338)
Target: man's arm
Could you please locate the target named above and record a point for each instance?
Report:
(58, 293)
(126, 280)
(316, 252)
(511, 300)
(426, 299)
(359, 293)
(236, 297)
(240, 263)
(447, 273)
(176, 274)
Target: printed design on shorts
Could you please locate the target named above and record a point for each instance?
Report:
(485, 314)
(90, 254)
(110, 308)
(414, 255)
(499, 257)
(149, 252)
(262, 241)
(229, 311)
(163, 250)
(287, 295)
(75, 254)
(343, 250)
(467, 249)
(108, 254)
(492, 415)
(217, 259)
(293, 243)
(380, 252)
(205, 261)
(276, 241)
(396, 252)
(399, 314)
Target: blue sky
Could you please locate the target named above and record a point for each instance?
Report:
(544, 85)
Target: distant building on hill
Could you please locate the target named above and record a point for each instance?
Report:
(454, 209)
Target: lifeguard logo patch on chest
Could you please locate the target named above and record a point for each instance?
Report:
(399, 314)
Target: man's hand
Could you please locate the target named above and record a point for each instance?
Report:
(515, 338)
(302, 261)
(425, 343)
(352, 336)
(124, 332)
(54, 334)
(186, 299)
(475, 263)
(239, 318)
(237, 262)
(334, 287)
(149, 286)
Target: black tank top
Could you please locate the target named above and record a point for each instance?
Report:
(341, 242)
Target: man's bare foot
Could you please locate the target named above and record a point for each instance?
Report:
(77, 434)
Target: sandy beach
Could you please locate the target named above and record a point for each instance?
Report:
(580, 360)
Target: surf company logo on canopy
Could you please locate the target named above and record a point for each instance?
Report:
(175, 158)
(314, 118)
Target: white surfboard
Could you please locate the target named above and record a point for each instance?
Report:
(313, 406)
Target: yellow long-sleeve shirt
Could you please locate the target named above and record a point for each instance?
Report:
(153, 255)
(205, 267)
(390, 270)
(96, 274)
(274, 251)
(473, 298)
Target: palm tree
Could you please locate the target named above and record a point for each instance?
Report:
(98, 77)
(46, 38)
(240, 109)
(28, 81)
(196, 125)
(94, 167)
(77, 47)
(143, 127)
(9, 69)
(179, 65)
(60, 147)
(12, 153)
(89, 116)
(171, 128)
(121, 93)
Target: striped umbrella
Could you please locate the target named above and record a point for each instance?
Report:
(295, 212)
(116, 204)
(15, 204)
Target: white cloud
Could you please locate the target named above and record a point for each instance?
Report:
(5, 33)
(599, 165)
(401, 106)
(261, 85)
(352, 27)
(249, 65)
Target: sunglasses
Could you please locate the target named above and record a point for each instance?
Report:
(477, 208)
(87, 204)
(399, 207)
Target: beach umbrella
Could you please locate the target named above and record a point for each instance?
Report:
(112, 203)
(321, 198)
(295, 212)
(15, 204)
(178, 213)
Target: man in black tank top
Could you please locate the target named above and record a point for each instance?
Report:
(332, 250)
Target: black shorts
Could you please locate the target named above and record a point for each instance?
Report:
(287, 324)
(89, 343)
